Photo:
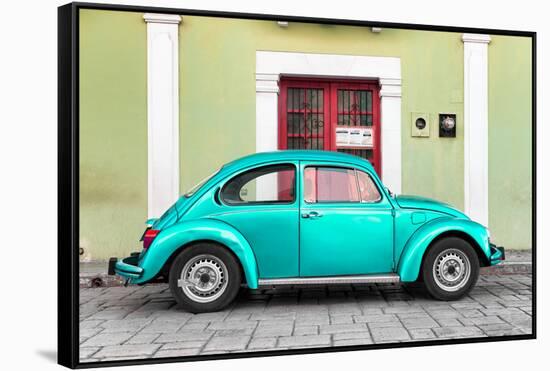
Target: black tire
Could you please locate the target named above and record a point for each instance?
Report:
(209, 257)
(446, 259)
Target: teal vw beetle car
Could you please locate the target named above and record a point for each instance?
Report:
(302, 218)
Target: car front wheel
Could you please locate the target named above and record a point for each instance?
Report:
(450, 269)
(205, 278)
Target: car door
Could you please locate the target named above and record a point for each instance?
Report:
(261, 203)
(346, 222)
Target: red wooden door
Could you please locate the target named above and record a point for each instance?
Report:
(304, 115)
(310, 111)
(356, 104)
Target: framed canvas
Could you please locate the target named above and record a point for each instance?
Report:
(242, 185)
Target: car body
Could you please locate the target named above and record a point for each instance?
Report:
(308, 217)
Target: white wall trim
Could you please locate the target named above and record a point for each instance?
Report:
(267, 83)
(271, 65)
(162, 111)
(476, 38)
(476, 127)
(162, 18)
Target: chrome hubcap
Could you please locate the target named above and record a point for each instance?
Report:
(451, 270)
(203, 278)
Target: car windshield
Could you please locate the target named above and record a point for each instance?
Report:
(198, 186)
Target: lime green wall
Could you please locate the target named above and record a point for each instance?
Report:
(218, 96)
(113, 132)
(218, 113)
(510, 141)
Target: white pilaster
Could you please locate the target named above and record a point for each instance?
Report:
(476, 127)
(162, 111)
(267, 138)
(267, 116)
(390, 136)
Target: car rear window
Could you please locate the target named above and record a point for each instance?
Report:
(267, 184)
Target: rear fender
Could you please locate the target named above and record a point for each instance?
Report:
(171, 239)
(410, 261)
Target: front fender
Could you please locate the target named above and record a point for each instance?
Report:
(181, 234)
(411, 258)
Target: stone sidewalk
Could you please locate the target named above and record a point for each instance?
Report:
(143, 321)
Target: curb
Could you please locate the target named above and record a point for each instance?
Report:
(96, 280)
(508, 268)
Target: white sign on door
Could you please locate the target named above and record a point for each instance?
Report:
(354, 136)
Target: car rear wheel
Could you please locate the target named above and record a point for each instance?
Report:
(205, 278)
(450, 269)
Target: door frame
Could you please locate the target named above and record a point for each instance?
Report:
(270, 65)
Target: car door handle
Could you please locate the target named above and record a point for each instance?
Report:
(311, 215)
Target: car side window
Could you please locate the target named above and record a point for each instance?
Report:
(367, 189)
(268, 184)
(330, 184)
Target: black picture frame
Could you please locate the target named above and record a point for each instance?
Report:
(68, 181)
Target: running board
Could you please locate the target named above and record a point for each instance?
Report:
(370, 278)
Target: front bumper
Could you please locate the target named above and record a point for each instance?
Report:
(497, 254)
(127, 267)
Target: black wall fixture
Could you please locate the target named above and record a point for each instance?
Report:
(447, 125)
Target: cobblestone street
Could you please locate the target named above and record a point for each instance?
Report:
(143, 322)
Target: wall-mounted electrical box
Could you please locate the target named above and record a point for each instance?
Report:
(420, 124)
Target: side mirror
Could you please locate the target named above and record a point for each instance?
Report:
(389, 192)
